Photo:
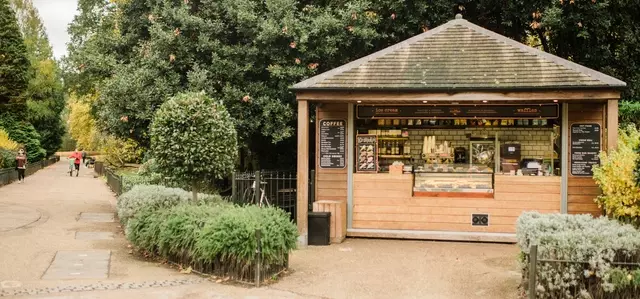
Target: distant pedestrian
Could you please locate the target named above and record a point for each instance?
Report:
(84, 156)
(21, 165)
(76, 157)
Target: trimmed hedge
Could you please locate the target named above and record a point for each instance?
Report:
(215, 238)
(152, 197)
(591, 244)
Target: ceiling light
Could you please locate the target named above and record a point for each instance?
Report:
(359, 102)
(555, 101)
(484, 101)
(425, 102)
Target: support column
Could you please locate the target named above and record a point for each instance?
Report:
(612, 124)
(350, 164)
(303, 173)
(564, 162)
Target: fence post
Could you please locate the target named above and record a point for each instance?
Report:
(533, 261)
(258, 256)
(234, 190)
(312, 189)
(256, 193)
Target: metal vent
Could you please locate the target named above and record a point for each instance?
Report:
(480, 219)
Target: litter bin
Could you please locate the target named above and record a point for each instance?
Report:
(319, 228)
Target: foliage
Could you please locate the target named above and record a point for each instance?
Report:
(220, 236)
(154, 197)
(81, 124)
(117, 152)
(617, 177)
(7, 158)
(6, 142)
(629, 113)
(130, 180)
(592, 244)
(25, 134)
(14, 64)
(44, 93)
(193, 140)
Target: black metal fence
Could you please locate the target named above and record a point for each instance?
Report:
(9, 175)
(113, 180)
(559, 277)
(277, 188)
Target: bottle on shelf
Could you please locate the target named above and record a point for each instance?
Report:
(388, 151)
(406, 149)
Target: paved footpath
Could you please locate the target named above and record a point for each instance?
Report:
(59, 239)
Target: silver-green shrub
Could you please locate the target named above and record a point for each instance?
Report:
(590, 244)
(154, 197)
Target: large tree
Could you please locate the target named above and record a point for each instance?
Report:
(14, 64)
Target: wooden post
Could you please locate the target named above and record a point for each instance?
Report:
(533, 261)
(302, 181)
(612, 124)
(257, 191)
(258, 257)
(234, 189)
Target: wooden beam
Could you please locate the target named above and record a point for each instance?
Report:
(612, 124)
(303, 173)
(418, 97)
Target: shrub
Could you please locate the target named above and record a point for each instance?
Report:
(7, 158)
(6, 142)
(193, 140)
(152, 197)
(218, 238)
(593, 244)
(117, 152)
(130, 180)
(617, 178)
(25, 134)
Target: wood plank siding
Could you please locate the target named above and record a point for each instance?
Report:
(385, 201)
(582, 191)
(331, 184)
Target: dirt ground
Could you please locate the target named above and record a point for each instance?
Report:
(372, 268)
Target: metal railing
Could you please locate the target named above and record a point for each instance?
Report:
(582, 274)
(114, 181)
(276, 188)
(9, 175)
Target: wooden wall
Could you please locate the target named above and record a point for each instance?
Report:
(582, 190)
(331, 184)
(385, 201)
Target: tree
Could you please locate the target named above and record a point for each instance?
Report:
(81, 125)
(14, 65)
(25, 134)
(193, 140)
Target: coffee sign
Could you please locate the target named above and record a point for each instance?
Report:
(333, 143)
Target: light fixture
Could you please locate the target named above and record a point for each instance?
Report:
(484, 101)
(359, 102)
(425, 102)
(555, 101)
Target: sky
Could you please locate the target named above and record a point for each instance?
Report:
(56, 15)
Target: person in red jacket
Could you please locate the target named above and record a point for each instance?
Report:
(21, 165)
(77, 158)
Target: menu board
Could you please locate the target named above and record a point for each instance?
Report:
(458, 111)
(585, 148)
(333, 143)
(367, 152)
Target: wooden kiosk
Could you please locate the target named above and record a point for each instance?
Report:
(451, 135)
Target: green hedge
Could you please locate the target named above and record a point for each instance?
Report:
(142, 197)
(215, 238)
(593, 245)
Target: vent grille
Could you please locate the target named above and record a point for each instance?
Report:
(480, 219)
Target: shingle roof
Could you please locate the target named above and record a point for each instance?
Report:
(459, 55)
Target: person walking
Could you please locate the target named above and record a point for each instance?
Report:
(76, 157)
(21, 165)
(84, 156)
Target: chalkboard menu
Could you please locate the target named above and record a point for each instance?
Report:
(367, 152)
(585, 148)
(333, 143)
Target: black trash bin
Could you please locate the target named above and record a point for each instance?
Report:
(319, 228)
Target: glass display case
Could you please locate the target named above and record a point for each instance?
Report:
(453, 178)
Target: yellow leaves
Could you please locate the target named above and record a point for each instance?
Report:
(370, 14)
(81, 125)
(6, 142)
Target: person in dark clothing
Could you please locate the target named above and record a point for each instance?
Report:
(84, 156)
(21, 165)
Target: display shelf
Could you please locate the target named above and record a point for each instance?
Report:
(395, 156)
(393, 138)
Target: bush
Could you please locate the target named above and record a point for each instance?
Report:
(7, 158)
(25, 134)
(6, 142)
(130, 180)
(193, 140)
(598, 242)
(217, 238)
(152, 197)
(117, 152)
(617, 177)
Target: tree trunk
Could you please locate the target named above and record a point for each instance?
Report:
(194, 190)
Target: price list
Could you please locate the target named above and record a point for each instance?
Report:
(585, 148)
(333, 143)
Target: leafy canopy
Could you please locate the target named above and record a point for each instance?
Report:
(14, 65)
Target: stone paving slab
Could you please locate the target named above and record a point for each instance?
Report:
(92, 264)
(91, 236)
(97, 217)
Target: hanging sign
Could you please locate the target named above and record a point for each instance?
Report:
(333, 143)
(458, 111)
(367, 151)
(585, 148)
